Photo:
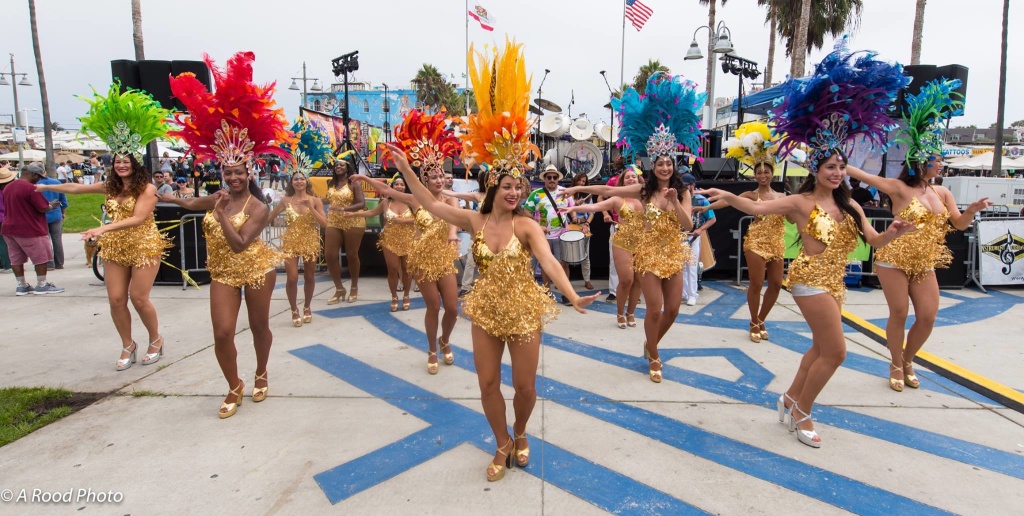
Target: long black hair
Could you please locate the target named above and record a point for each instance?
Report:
(840, 195)
(488, 205)
(650, 188)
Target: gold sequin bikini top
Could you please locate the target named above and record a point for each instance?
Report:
(483, 255)
(237, 220)
(626, 213)
(920, 216)
(821, 226)
(291, 215)
(388, 214)
(119, 210)
(661, 220)
(425, 222)
(340, 197)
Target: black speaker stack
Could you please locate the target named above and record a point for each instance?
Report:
(152, 76)
(923, 74)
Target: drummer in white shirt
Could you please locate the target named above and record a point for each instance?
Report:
(543, 205)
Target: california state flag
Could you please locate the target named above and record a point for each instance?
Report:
(480, 14)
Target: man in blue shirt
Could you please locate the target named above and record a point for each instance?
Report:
(701, 222)
(54, 217)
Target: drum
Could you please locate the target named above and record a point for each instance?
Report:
(574, 246)
(581, 129)
(555, 125)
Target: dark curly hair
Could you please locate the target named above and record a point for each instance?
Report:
(134, 186)
(650, 187)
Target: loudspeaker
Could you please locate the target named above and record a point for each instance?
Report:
(923, 74)
(198, 68)
(154, 75)
(718, 168)
(193, 247)
(127, 72)
(712, 147)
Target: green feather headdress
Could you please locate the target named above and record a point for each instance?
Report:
(125, 121)
(937, 101)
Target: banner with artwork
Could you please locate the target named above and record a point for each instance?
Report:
(327, 124)
(1001, 251)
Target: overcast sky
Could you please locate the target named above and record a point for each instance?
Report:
(575, 39)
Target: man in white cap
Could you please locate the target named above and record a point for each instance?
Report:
(542, 205)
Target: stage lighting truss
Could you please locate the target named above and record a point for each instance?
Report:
(738, 66)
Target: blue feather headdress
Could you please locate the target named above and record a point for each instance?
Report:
(662, 121)
(848, 96)
(313, 148)
(936, 101)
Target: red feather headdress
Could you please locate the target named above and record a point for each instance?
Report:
(426, 139)
(238, 121)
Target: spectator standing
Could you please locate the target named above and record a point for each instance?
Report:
(183, 191)
(583, 219)
(87, 173)
(211, 181)
(861, 195)
(54, 217)
(6, 176)
(64, 172)
(543, 204)
(97, 168)
(25, 232)
(611, 217)
(702, 220)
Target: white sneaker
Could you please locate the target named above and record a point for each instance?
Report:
(691, 301)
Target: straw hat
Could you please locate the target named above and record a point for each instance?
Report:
(6, 175)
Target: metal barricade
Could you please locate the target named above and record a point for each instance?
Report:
(193, 257)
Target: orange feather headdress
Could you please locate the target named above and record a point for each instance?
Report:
(499, 133)
(237, 122)
(426, 139)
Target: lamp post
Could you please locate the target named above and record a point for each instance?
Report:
(316, 84)
(14, 88)
(723, 45)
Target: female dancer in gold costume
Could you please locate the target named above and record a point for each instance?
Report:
(304, 213)
(131, 245)
(343, 232)
(395, 240)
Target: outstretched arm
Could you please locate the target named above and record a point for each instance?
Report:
(192, 203)
(785, 206)
(957, 219)
(384, 189)
(538, 243)
(450, 214)
(610, 203)
(377, 210)
(465, 196)
(73, 188)
(631, 191)
(890, 187)
(876, 239)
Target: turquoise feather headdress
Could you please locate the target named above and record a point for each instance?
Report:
(662, 121)
(125, 121)
(313, 148)
(936, 101)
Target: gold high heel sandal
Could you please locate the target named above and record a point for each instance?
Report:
(522, 454)
(228, 409)
(755, 336)
(764, 331)
(307, 315)
(630, 321)
(647, 354)
(405, 303)
(431, 366)
(296, 318)
(496, 472)
(910, 379)
(894, 384)
(394, 304)
(353, 295)
(260, 393)
(339, 296)
(655, 373)
(449, 357)
(620, 320)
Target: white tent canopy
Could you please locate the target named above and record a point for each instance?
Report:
(26, 154)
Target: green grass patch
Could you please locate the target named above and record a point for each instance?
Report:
(83, 212)
(24, 410)
(146, 393)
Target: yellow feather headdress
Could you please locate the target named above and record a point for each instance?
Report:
(499, 133)
(752, 144)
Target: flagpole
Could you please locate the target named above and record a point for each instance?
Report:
(622, 60)
(466, 90)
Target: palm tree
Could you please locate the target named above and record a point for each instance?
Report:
(821, 18)
(711, 43)
(997, 160)
(47, 128)
(431, 87)
(646, 71)
(771, 19)
(915, 46)
(140, 52)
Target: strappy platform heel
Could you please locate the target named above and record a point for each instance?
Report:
(630, 320)
(353, 295)
(406, 303)
(339, 296)
(522, 454)
(260, 393)
(755, 336)
(296, 318)
(228, 409)
(764, 331)
(808, 437)
(152, 358)
(620, 320)
(431, 366)
(307, 315)
(496, 472)
(781, 405)
(894, 384)
(449, 357)
(394, 304)
(910, 379)
(655, 373)
(126, 363)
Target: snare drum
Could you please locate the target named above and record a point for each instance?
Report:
(574, 248)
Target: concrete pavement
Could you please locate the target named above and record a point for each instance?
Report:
(355, 425)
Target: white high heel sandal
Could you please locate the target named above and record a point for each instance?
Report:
(804, 436)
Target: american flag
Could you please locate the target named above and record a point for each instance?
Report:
(638, 13)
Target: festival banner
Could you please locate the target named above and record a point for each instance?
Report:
(1001, 251)
(327, 124)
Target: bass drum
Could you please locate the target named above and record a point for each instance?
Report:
(581, 158)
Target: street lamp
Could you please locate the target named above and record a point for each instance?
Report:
(14, 88)
(304, 79)
(722, 37)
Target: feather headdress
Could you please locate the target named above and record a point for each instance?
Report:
(426, 140)
(752, 144)
(662, 121)
(847, 97)
(499, 133)
(125, 121)
(238, 121)
(311, 149)
(936, 101)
